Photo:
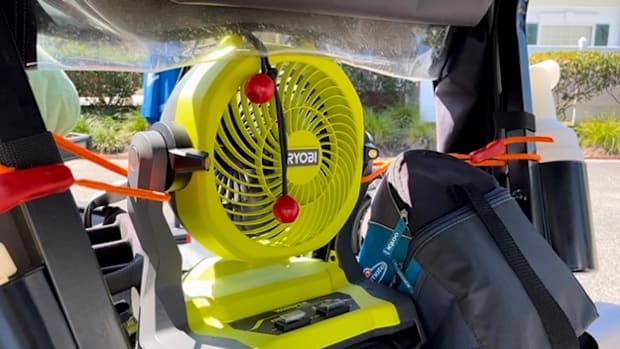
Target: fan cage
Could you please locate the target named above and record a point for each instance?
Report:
(247, 158)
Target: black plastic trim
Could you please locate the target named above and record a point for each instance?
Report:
(30, 316)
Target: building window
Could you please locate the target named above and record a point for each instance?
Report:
(601, 34)
(564, 35)
(531, 31)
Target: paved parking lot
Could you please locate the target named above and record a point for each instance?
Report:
(602, 284)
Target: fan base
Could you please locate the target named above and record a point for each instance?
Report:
(290, 304)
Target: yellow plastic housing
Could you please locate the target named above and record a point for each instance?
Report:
(228, 208)
(219, 292)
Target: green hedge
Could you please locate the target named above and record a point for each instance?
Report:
(584, 74)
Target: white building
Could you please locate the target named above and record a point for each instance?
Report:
(554, 25)
(567, 23)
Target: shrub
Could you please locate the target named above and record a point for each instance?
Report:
(108, 141)
(107, 88)
(601, 133)
(584, 74)
(135, 123)
(111, 129)
(398, 128)
(382, 129)
(82, 126)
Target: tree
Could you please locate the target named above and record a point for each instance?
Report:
(379, 91)
(108, 88)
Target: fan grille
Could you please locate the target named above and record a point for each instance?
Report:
(247, 156)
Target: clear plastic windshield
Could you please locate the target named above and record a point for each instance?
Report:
(119, 35)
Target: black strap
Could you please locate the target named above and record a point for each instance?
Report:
(514, 120)
(20, 114)
(22, 22)
(557, 326)
(39, 149)
(586, 341)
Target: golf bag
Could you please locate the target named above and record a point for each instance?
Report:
(480, 274)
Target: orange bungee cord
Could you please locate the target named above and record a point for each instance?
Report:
(18, 186)
(492, 155)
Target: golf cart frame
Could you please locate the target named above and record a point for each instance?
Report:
(59, 299)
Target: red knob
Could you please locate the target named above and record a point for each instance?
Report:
(286, 209)
(260, 88)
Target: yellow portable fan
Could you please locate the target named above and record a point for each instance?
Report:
(259, 201)
(284, 137)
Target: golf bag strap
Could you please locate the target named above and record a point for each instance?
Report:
(21, 21)
(558, 328)
(24, 140)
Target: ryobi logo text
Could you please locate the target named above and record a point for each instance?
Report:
(303, 157)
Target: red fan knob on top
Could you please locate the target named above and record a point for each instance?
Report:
(260, 88)
(286, 209)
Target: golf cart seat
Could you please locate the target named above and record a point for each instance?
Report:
(57, 261)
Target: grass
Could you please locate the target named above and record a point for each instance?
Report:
(600, 133)
(110, 128)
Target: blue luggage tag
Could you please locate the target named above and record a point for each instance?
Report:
(385, 266)
(397, 234)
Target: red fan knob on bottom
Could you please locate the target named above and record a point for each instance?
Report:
(286, 209)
